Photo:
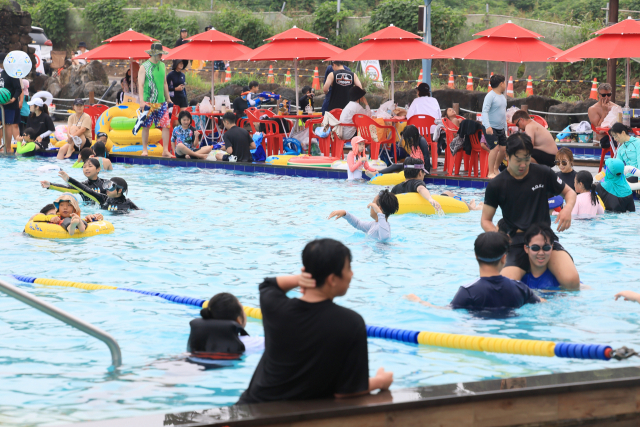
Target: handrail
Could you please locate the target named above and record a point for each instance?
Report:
(45, 307)
(4, 131)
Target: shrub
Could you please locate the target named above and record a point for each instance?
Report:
(161, 24)
(326, 17)
(107, 17)
(52, 17)
(242, 25)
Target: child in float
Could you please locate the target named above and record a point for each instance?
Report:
(614, 189)
(414, 172)
(187, 140)
(113, 199)
(587, 202)
(26, 145)
(48, 210)
(357, 159)
(383, 206)
(416, 146)
(100, 152)
(492, 290)
(68, 214)
(219, 333)
(90, 169)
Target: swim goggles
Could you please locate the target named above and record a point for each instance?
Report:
(536, 248)
(111, 186)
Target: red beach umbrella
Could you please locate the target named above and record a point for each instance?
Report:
(391, 43)
(621, 40)
(211, 45)
(293, 44)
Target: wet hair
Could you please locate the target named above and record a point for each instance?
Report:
(48, 208)
(193, 103)
(94, 162)
(544, 229)
(565, 152)
(424, 89)
(305, 90)
(185, 113)
(519, 115)
(412, 173)
(31, 132)
(517, 142)
(618, 128)
(388, 203)
(585, 178)
(411, 136)
(491, 245)
(229, 117)
(324, 257)
(122, 183)
(604, 86)
(99, 149)
(495, 80)
(222, 306)
(253, 84)
(44, 109)
(85, 153)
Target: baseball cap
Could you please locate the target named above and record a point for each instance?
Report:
(357, 140)
(36, 101)
(78, 101)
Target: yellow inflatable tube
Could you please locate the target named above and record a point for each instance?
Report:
(388, 179)
(127, 110)
(40, 228)
(415, 203)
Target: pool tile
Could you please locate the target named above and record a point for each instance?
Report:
(439, 181)
(280, 171)
(478, 184)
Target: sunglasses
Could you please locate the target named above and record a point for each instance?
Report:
(536, 248)
(517, 121)
(604, 95)
(563, 162)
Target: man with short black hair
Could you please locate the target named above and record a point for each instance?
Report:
(494, 119)
(544, 145)
(237, 141)
(181, 40)
(314, 348)
(522, 192)
(340, 81)
(414, 172)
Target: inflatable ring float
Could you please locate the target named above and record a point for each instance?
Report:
(280, 159)
(388, 179)
(117, 122)
(343, 165)
(415, 203)
(40, 227)
(312, 161)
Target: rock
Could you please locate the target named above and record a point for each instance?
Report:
(469, 100)
(403, 98)
(93, 72)
(75, 89)
(271, 87)
(200, 97)
(39, 83)
(231, 90)
(558, 123)
(535, 102)
(54, 88)
(286, 93)
(374, 100)
(25, 39)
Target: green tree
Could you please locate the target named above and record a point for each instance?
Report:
(242, 25)
(162, 24)
(51, 15)
(325, 18)
(107, 17)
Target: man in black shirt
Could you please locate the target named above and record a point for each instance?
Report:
(183, 35)
(414, 172)
(340, 81)
(491, 290)
(314, 348)
(237, 141)
(522, 192)
(240, 104)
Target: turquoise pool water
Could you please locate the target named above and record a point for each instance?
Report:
(207, 231)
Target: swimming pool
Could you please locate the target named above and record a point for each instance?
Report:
(208, 231)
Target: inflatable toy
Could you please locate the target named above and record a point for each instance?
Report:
(40, 227)
(61, 133)
(118, 122)
(343, 165)
(280, 159)
(5, 95)
(312, 161)
(17, 64)
(415, 203)
(46, 97)
(388, 179)
(136, 150)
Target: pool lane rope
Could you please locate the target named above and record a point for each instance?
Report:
(436, 339)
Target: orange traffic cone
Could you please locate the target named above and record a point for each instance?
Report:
(636, 91)
(470, 82)
(451, 83)
(510, 87)
(594, 89)
(228, 75)
(287, 81)
(316, 80)
(420, 77)
(270, 75)
(529, 87)
(489, 85)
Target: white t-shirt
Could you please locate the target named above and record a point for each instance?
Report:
(425, 105)
(81, 61)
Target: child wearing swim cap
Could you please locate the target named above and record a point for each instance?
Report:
(383, 206)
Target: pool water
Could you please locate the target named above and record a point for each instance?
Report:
(206, 231)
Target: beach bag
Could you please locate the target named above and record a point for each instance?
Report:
(456, 145)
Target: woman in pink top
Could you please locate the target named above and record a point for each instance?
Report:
(357, 160)
(587, 202)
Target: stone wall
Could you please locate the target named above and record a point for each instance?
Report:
(15, 26)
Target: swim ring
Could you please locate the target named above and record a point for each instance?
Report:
(388, 179)
(40, 227)
(280, 159)
(117, 122)
(312, 161)
(415, 203)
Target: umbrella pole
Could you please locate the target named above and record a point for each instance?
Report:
(393, 92)
(506, 80)
(626, 86)
(295, 66)
(213, 82)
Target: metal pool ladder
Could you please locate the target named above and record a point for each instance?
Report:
(37, 303)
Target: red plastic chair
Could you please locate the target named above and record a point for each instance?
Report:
(364, 123)
(273, 141)
(454, 162)
(323, 143)
(604, 150)
(424, 123)
(478, 154)
(337, 145)
(95, 111)
(540, 120)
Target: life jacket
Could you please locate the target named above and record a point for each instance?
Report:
(215, 339)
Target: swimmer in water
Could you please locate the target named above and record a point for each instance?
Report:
(68, 214)
(90, 169)
(538, 244)
(100, 152)
(491, 290)
(414, 172)
(383, 206)
(113, 199)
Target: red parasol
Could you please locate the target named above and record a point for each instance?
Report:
(294, 44)
(120, 51)
(211, 45)
(621, 40)
(391, 43)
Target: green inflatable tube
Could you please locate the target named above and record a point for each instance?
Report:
(26, 149)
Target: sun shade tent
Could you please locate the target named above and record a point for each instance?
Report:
(391, 43)
(294, 44)
(211, 45)
(621, 40)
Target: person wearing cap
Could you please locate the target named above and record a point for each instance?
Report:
(177, 81)
(41, 122)
(424, 104)
(183, 35)
(113, 199)
(414, 172)
(68, 215)
(357, 159)
(82, 49)
(491, 291)
(356, 96)
(154, 94)
(340, 81)
(78, 133)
